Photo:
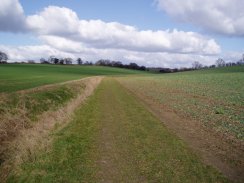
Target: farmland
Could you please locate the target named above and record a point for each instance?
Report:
(135, 127)
(205, 108)
(214, 97)
(114, 139)
(14, 77)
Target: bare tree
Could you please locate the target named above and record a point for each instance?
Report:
(79, 61)
(53, 60)
(68, 61)
(220, 62)
(197, 65)
(44, 61)
(31, 62)
(3, 57)
(61, 61)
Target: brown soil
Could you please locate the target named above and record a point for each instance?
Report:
(216, 149)
(31, 140)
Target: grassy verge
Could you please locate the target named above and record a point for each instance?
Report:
(32, 104)
(21, 110)
(113, 138)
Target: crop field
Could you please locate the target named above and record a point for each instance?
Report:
(209, 107)
(123, 126)
(213, 97)
(14, 77)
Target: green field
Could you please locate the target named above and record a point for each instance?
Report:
(214, 97)
(121, 132)
(14, 77)
(113, 138)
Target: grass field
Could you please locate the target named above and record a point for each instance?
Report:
(205, 108)
(113, 138)
(215, 97)
(136, 127)
(14, 77)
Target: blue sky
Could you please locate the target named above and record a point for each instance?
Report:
(210, 39)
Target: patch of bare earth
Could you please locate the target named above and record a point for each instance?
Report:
(30, 139)
(216, 149)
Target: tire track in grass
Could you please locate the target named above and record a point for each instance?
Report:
(113, 138)
(136, 147)
(114, 161)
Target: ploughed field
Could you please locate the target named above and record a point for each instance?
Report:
(135, 126)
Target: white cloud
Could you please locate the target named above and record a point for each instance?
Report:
(232, 56)
(11, 16)
(63, 34)
(54, 22)
(219, 16)
(22, 53)
(62, 43)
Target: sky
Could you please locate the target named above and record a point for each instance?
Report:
(154, 33)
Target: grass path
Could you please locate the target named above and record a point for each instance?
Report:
(113, 138)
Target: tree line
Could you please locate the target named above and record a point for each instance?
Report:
(110, 63)
(218, 63)
(101, 62)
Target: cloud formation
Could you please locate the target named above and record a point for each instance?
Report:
(12, 16)
(218, 16)
(54, 22)
(63, 33)
(21, 53)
